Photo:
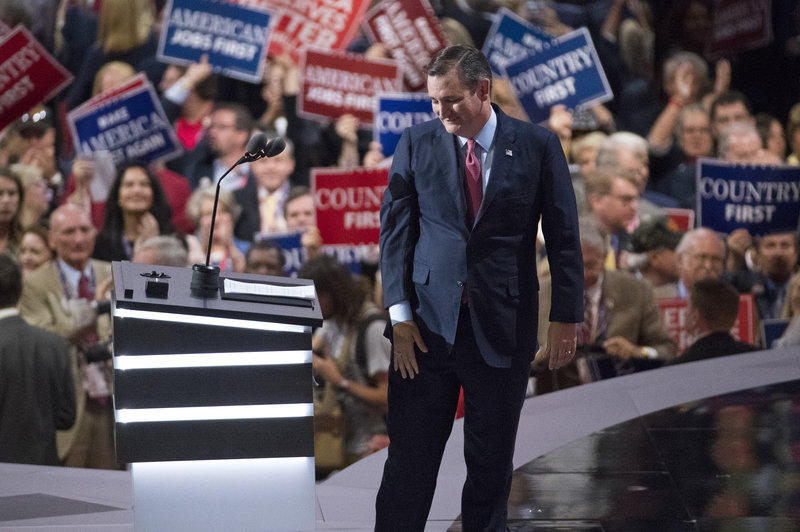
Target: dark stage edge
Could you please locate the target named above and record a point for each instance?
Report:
(731, 462)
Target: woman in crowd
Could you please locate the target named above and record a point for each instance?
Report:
(36, 195)
(136, 210)
(33, 249)
(10, 209)
(350, 353)
(227, 251)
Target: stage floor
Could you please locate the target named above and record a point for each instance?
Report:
(713, 445)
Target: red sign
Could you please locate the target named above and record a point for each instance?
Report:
(3, 28)
(411, 32)
(325, 24)
(336, 83)
(348, 204)
(674, 311)
(739, 25)
(28, 75)
(680, 220)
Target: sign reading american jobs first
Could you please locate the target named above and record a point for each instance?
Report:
(567, 73)
(131, 126)
(28, 75)
(235, 38)
(338, 83)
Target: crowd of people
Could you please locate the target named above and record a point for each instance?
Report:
(63, 217)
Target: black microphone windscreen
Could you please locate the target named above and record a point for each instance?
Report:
(256, 143)
(274, 147)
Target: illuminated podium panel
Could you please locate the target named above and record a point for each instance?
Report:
(213, 402)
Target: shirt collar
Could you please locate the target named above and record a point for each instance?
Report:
(72, 275)
(8, 312)
(485, 136)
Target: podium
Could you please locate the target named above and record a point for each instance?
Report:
(213, 402)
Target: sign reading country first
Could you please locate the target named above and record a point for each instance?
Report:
(234, 37)
(131, 126)
(567, 73)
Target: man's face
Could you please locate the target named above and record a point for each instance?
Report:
(704, 259)
(777, 256)
(726, 115)
(264, 262)
(300, 213)
(462, 111)
(72, 236)
(695, 138)
(593, 265)
(617, 209)
(743, 149)
(225, 138)
(273, 172)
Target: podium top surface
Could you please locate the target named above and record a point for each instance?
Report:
(130, 293)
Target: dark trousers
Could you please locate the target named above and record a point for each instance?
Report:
(421, 413)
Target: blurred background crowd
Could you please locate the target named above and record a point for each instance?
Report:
(63, 218)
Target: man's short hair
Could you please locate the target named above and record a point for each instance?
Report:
(759, 239)
(10, 281)
(728, 98)
(591, 235)
(653, 235)
(266, 245)
(601, 180)
(294, 193)
(690, 237)
(168, 250)
(244, 120)
(717, 301)
(689, 109)
(608, 154)
(472, 65)
(735, 130)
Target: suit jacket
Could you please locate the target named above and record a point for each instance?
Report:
(716, 344)
(430, 254)
(36, 392)
(40, 306)
(631, 312)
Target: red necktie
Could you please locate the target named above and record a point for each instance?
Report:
(474, 181)
(89, 336)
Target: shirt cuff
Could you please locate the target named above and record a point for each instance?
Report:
(400, 312)
(650, 352)
(177, 94)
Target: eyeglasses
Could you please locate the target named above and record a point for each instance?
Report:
(625, 199)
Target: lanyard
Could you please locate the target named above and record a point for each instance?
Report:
(67, 287)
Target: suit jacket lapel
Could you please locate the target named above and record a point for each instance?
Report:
(504, 139)
(444, 151)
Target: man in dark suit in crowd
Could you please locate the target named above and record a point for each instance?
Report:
(36, 391)
(458, 231)
(713, 308)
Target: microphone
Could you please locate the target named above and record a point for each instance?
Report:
(205, 278)
(274, 147)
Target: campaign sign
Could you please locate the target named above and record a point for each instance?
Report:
(738, 25)
(568, 73)
(394, 113)
(348, 204)
(411, 32)
(512, 38)
(761, 199)
(234, 37)
(681, 220)
(338, 83)
(674, 311)
(291, 246)
(324, 24)
(771, 330)
(351, 256)
(131, 126)
(3, 28)
(28, 75)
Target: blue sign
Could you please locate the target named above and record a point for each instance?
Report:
(132, 127)
(395, 112)
(773, 329)
(351, 256)
(234, 37)
(512, 38)
(567, 73)
(761, 199)
(292, 247)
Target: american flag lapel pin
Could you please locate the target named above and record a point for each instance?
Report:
(509, 153)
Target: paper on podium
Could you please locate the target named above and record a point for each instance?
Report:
(266, 289)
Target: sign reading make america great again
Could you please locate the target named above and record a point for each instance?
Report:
(235, 38)
(28, 75)
(568, 73)
(411, 32)
(338, 83)
(131, 126)
(761, 199)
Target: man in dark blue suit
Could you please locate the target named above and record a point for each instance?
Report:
(458, 237)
